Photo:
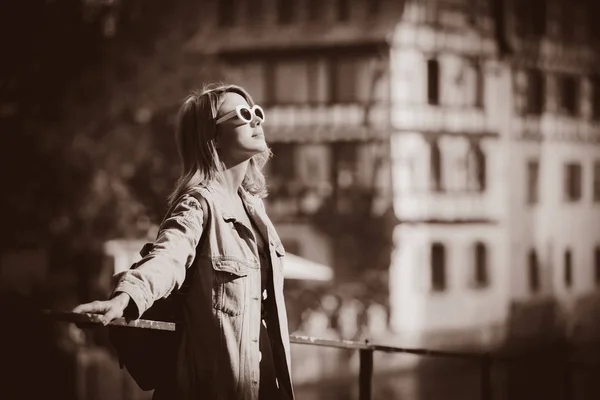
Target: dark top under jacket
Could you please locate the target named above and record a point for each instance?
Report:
(272, 364)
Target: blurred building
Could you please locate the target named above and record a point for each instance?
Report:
(476, 122)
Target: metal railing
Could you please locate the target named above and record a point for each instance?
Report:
(366, 352)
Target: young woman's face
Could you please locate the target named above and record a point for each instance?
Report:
(238, 140)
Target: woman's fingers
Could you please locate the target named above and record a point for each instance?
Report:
(107, 310)
(95, 307)
(112, 313)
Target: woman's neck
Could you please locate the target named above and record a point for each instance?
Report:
(233, 176)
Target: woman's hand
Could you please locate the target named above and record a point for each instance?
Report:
(109, 309)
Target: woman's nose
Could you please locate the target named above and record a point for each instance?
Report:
(255, 122)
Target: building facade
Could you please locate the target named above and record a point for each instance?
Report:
(475, 124)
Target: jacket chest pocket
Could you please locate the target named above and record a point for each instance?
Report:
(230, 286)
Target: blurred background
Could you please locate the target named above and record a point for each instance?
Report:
(435, 180)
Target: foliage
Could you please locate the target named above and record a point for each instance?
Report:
(86, 111)
(363, 238)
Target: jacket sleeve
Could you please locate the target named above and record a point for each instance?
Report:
(163, 269)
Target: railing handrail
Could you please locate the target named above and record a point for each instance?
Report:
(92, 319)
(68, 316)
(83, 319)
(366, 350)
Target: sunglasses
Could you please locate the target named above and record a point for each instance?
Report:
(244, 113)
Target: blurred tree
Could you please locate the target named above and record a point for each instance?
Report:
(88, 90)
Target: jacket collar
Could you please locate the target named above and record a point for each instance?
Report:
(249, 200)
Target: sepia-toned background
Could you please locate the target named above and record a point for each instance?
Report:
(435, 181)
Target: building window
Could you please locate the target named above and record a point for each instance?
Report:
(596, 188)
(438, 267)
(350, 79)
(344, 80)
(592, 20)
(536, 92)
(345, 155)
(226, 12)
(530, 17)
(572, 184)
(319, 81)
(533, 177)
(345, 158)
(479, 84)
(314, 167)
(597, 265)
(297, 81)
(568, 95)
(313, 9)
(567, 21)
(481, 266)
(435, 166)
(343, 10)
(476, 168)
(534, 271)
(255, 11)
(568, 271)
(290, 83)
(539, 16)
(373, 7)
(252, 75)
(285, 11)
(433, 82)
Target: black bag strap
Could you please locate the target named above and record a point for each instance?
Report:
(198, 196)
(204, 204)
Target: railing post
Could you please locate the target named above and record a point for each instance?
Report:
(486, 378)
(568, 384)
(365, 377)
(567, 381)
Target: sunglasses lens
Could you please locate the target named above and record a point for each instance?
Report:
(259, 113)
(245, 114)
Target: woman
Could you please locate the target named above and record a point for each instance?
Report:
(234, 341)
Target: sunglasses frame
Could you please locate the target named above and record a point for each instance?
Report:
(238, 113)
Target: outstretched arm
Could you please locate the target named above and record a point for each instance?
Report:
(160, 271)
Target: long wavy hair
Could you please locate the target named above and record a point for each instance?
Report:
(195, 134)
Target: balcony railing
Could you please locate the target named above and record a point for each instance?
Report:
(327, 122)
(485, 360)
(429, 205)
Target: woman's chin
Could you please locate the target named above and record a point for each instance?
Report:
(261, 145)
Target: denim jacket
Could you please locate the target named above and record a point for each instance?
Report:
(218, 356)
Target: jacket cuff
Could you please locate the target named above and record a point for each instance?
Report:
(137, 296)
